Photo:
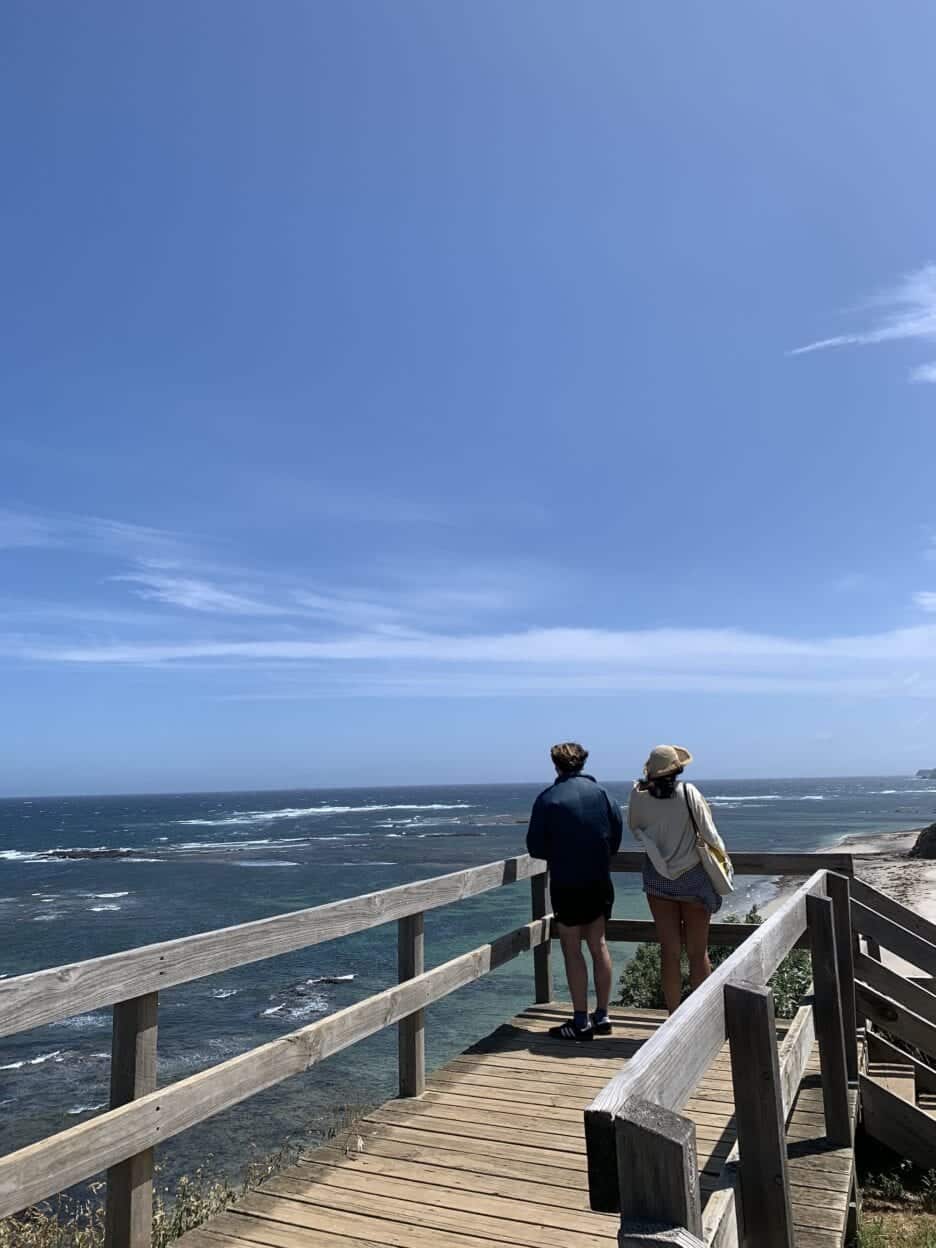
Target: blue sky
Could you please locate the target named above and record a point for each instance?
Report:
(392, 388)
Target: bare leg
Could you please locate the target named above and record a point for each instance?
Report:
(696, 919)
(594, 934)
(668, 922)
(576, 971)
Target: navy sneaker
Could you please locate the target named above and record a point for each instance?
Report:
(569, 1031)
(603, 1028)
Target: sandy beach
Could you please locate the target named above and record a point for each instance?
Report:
(883, 862)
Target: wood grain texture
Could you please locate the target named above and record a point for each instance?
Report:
(839, 893)
(411, 1038)
(909, 1131)
(766, 1211)
(896, 986)
(128, 1217)
(881, 1050)
(827, 1007)
(760, 864)
(671, 1063)
(542, 957)
(874, 899)
(48, 996)
(51, 1165)
(658, 1169)
(897, 1019)
(724, 935)
(884, 932)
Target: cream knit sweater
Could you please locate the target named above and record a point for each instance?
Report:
(663, 827)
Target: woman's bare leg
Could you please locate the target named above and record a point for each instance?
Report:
(668, 922)
(696, 920)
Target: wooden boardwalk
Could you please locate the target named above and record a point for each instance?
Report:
(492, 1155)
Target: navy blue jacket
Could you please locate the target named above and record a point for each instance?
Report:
(576, 827)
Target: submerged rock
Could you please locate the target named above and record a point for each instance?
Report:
(925, 846)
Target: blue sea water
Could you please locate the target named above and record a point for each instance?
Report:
(170, 865)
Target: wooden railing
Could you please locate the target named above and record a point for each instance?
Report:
(641, 1151)
(121, 1140)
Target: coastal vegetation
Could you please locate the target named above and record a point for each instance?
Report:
(641, 984)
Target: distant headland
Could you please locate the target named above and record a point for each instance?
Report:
(926, 773)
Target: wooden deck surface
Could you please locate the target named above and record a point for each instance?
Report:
(493, 1155)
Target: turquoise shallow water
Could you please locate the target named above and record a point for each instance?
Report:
(166, 866)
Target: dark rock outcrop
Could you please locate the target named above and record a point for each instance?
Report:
(925, 846)
(926, 773)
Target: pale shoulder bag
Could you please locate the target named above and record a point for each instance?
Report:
(714, 859)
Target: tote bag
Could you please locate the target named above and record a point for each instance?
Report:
(715, 860)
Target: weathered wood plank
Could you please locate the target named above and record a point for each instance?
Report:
(881, 1050)
(827, 1007)
(902, 915)
(40, 1170)
(896, 986)
(673, 1060)
(909, 1131)
(411, 1041)
(542, 957)
(658, 1167)
(767, 1214)
(893, 936)
(48, 996)
(725, 935)
(760, 864)
(129, 1200)
(896, 1018)
(839, 893)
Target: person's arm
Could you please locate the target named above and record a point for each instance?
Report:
(537, 839)
(632, 819)
(615, 825)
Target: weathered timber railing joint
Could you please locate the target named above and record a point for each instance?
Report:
(129, 1204)
(829, 1029)
(542, 956)
(658, 1169)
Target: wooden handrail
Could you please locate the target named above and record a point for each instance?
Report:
(40, 1170)
(49, 996)
(670, 1064)
(746, 863)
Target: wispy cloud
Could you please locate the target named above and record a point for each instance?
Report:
(925, 600)
(195, 595)
(25, 528)
(903, 313)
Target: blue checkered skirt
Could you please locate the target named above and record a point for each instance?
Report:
(693, 885)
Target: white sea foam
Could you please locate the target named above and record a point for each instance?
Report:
(757, 797)
(222, 994)
(272, 863)
(85, 1109)
(105, 896)
(892, 792)
(50, 917)
(300, 812)
(100, 909)
(34, 1061)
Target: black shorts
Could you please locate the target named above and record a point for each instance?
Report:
(578, 904)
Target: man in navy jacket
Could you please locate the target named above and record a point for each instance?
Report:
(576, 827)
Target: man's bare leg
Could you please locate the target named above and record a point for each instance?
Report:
(596, 939)
(576, 971)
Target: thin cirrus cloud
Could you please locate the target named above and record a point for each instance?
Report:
(195, 595)
(904, 313)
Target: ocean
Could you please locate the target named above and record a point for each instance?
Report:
(151, 868)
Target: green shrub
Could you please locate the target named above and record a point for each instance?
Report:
(641, 984)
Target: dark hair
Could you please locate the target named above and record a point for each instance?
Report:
(568, 757)
(662, 786)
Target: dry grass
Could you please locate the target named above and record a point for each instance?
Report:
(898, 1230)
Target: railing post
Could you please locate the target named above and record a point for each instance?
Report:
(766, 1213)
(839, 891)
(658, 1175)
(542, 954)
(828, 1013)
(411, 1034)
(129, 1205)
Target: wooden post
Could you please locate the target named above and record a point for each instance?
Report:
(828, 1012)
(840, 895)
(874, 949)
(658, 1172)
(129, 1206)
(542, 954)
(766, 1212)
(411, 1035)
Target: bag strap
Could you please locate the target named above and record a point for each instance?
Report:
(700, 839)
